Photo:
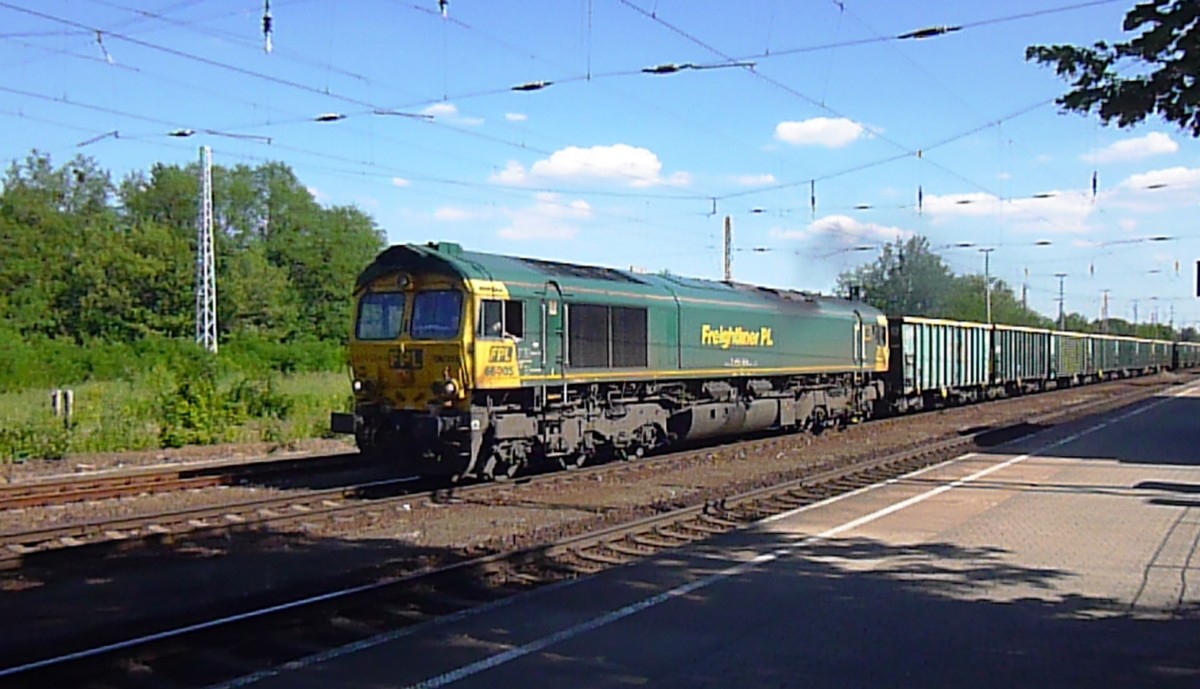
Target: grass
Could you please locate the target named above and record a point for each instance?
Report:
(115, 416)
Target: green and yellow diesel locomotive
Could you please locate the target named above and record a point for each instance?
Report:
(472, 364)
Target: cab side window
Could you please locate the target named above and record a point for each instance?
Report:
(499, 319)
(514, 318)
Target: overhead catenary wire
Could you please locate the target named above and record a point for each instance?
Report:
(821, 105)
(825, 205)
(536, 85)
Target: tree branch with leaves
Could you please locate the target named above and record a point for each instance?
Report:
(1105, 78)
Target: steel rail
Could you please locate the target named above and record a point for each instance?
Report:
(58, 490)
(199, 522)
(647, 535)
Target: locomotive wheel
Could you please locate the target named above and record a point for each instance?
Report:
(818, 421)
(500, 470)
(369, 444)
(629, 454)
(572, 461)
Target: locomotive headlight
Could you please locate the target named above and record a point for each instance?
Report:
(357, 385)
(446, 389)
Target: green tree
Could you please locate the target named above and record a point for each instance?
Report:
(79, 188)
(322, 250)
(967, 301)
(166, 197)
(1156, 331)
(1076, 323)
(1115, 326)
(44, 213)
(81, 259)
(285, 265)
(257, 297)
(906, 279)
(1168, 53)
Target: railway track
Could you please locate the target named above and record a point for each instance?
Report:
(60, 490)
(375, 499)
(201, 522)
(259, 641)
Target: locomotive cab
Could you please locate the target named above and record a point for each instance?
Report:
(426, 339)
(409, 360)
(472, 364)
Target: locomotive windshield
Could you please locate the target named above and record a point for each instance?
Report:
(379, 316)
(437, 314)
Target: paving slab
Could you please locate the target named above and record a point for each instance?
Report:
(1068, 559)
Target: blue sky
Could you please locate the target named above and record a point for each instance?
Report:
(608, 165)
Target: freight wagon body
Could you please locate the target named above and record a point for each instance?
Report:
(1160, 354)
(935, 362)
(481, 364)
(1021, 357)
(1185, 355)
(1070, 356)
(938, 359)
(1113, 354)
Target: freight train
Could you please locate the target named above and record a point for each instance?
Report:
(468, 364)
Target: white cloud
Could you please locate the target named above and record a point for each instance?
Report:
(633, 165)
(400, 182)
(1154, 143)
(1128, 224)
(974, 204)
(1156, 190)
(513, 174)
(1175, 177)
(516, 116)
(441, 110)
(449, 112)
(639, 165)
(1065, 211)
(1054, 211)
(845, 231)
(820, 131)
(754, 180)
(318, 195)
(547, 218)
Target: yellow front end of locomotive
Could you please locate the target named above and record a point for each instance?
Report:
(409, 350)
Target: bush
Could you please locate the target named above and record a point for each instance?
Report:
(258, 399)
(256, 354)
(193, 413)
(41, 438)
(38, 361)
(196, 410)
(161, 392)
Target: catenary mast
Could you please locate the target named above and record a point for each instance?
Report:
(206, 268)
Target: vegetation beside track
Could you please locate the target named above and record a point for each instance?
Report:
(97, 295)
(169, 408)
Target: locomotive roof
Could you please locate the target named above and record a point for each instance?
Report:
(447, 258)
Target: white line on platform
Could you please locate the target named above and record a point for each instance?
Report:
(629, 610)
(595, 623)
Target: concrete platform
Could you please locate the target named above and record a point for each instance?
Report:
(1066, 559)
